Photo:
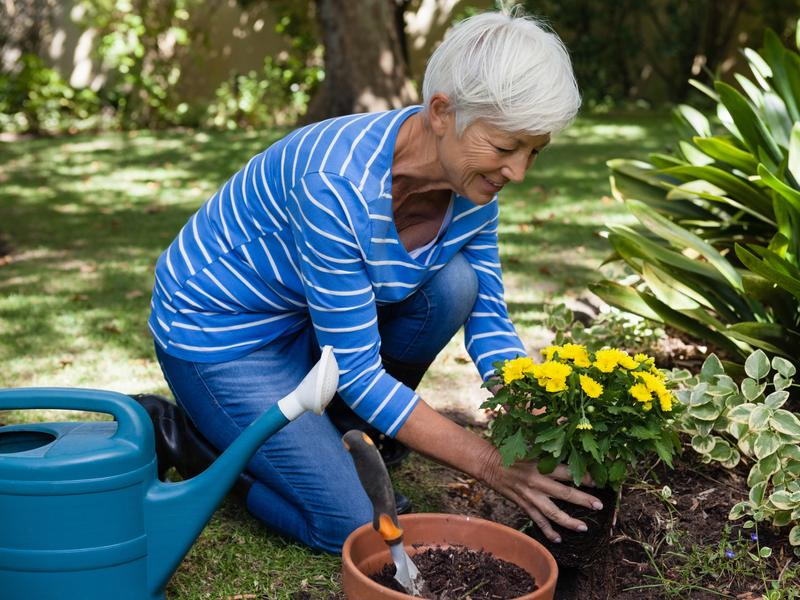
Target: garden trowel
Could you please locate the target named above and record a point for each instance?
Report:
(375, 479)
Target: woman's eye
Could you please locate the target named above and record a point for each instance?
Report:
(500, 149)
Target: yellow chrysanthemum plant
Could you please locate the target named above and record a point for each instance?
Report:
(599, 412)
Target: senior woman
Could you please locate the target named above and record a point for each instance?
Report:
(375, 234)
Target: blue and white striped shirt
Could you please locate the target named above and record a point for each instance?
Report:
(304, 233)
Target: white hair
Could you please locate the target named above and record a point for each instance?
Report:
(510, 71)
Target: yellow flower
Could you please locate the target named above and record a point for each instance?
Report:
(576, 353)
(552, 375)
(644, 359)
(549, 351)
(516, 368)
(647, 406)
(608, 358)
(583, 424)
(655, 382)
(665, 400)
(641, 393)
(591, 387)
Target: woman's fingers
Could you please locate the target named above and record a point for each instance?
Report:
(543, 524)
(568, 493)
(562, 473)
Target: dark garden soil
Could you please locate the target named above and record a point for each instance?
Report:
(695, 515)
(459, 572)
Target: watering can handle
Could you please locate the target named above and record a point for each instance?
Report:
(132, 420)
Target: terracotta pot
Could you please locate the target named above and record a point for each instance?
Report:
(365, 552)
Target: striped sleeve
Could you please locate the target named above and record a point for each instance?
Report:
(326, 219)
(489, 335)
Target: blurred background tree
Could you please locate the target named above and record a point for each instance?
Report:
(79, 64)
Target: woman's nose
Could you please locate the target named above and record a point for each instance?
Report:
(515, 167)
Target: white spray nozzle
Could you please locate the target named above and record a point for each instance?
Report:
(316, 390)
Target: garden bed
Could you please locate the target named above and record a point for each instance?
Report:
(664, 544)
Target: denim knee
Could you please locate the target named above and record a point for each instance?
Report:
(328, 532)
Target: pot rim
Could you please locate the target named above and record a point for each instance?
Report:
(504, 530)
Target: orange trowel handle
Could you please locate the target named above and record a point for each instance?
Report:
(375, 480)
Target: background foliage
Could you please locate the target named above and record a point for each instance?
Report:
(141, 44)
(715, 252)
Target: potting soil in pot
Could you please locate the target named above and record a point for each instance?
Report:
(459, 572)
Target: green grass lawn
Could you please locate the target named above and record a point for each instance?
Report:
(85, 218)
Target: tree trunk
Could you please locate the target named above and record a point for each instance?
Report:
(365, 69)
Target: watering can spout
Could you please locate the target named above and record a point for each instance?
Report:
(175, 513)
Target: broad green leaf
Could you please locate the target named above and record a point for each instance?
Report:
(665, 255)
(794, 152)
(693, 155)
(751, 389)
(741, 414)
(768, 336)
(702, 444)
(590, 445)
(711, 368)
(757, 265)
(791, 195)
(770, 464)
(777, 118)
(765, 552)
(725, 151)
(547, 464)
(775, 55)
(785, 422)
(599, 474)
(739, 510)
(700, 188)
(776, 399)
(783, 366)
(617, 470)
(780, 382)
(765, 444)
(752, 129)
(705, 412)
(761, 70)
(757, 365)
(737, 429)
(513, 448)
(757, 493)
(642, 433)
(759, 417)
(577, 466)
(781, 500)
(666, 293)
(704, 89)
(752, 91)
(722, 450)
(624, 298)
(738, 189)
(555, 444)
(756, 475)
(794, 532)
(734, 459)
(694, 118)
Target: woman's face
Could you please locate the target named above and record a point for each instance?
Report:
(480, 162)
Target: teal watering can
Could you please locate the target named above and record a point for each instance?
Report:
(83, 515)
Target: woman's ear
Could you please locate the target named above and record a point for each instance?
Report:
(440, 113)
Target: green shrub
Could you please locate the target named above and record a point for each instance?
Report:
(717, 245)
(729, 421)
(278, 95)
(34, 98)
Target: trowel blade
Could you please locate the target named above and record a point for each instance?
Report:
(407, 574)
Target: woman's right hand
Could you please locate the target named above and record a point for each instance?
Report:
(436, 436)
(533, 492)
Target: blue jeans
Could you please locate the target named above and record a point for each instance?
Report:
(306, 485)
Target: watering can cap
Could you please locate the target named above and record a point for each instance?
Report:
(75, 451)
